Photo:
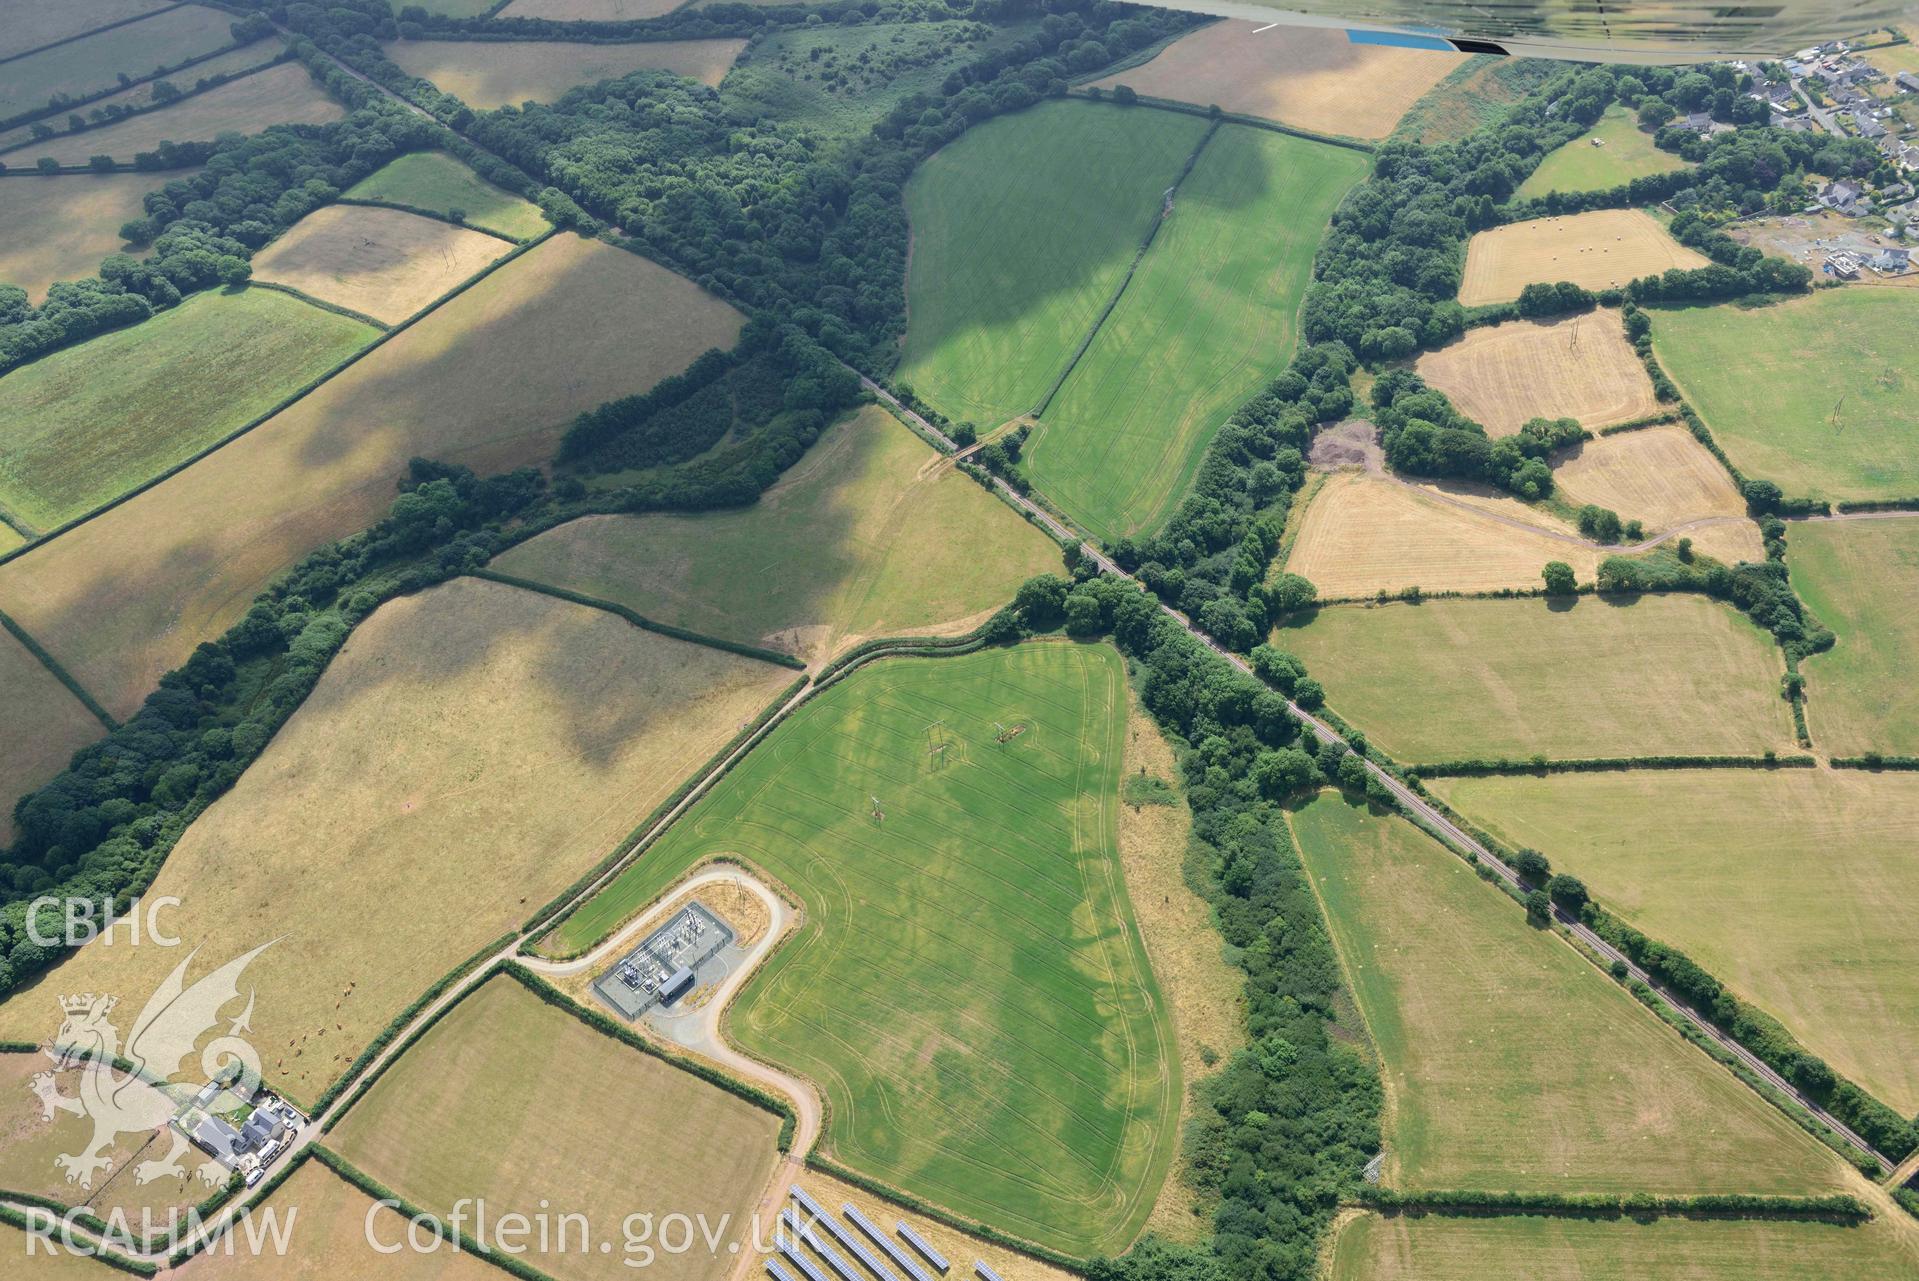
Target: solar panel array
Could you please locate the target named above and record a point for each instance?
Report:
(825, 1251)
(852, 1244)
(900, 1257)
(914, 1239)
(986, 1273)
(791, 1250)
(774, 1270)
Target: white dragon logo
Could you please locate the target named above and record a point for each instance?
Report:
(163, 1038)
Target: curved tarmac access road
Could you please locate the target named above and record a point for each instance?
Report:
(1428, 816)
(708, 1041)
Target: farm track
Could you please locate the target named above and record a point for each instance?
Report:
(1428, 816)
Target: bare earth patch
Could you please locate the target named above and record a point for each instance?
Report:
(489, 380)
(1575, 367)
(470, 752)
(1310, 77)
(384, 263)
(1363, 534)
(1598, 250)
(1665, 478)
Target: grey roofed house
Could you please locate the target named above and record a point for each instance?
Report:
(260, 1129)
(218, 1140)
(1907, 81)
(1698, 121)
(1890, 260)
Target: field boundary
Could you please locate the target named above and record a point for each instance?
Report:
(321, 303)
(645, 624)
(60, 673)
(1139, 256)
(17, 1218)
(91, 126)
(82, 35)
(292, 399)
(1540, 765)
(1153, 103)
(1841, 1208)
(361, 202)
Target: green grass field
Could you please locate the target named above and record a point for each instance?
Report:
(970, 991)
(1627, 153)
(1861, 578)
(842, 80)
(96, 62)
(1449, 679)
(1022, 229)
(1770, 380)
(1530, 1248)
(1792, 887)
(89, 423)
(434, 180)
(1511, 1063)
(1206, 321)
(860, 538)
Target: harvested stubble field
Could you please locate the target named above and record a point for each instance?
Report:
(868, 535)
(96, 62)
(486, 74)
(1363, 534)
(1615, 151)
(1575, 367)
(587, 10)
(1533, 1248)
(1509, 1062)
(332, 1223)
(1208, 319)
(231, 63)
(1022, 229)
(29, 24)
(517, 1102)
(45, 723)
(58, 229)
(285, 94)
(1814, 394)
(1664, 477)
(1861, 578)
(434, 180)
(52, 1263)
(489, 380)
(969, 989)
(30, 1142)
(1308, 77)
(87, 424)
(1466, 678)
(382, 263)
(1598, 250)
(1790, 886)
(470, 752)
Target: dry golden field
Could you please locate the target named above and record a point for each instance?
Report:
(1362, 534)
(1665, 478)
(59, 1265)
(231, 63)
(488, 380)
(30, 1142)
(383, 263)
(869, 534)
(45, 724)
(1596, 250)
(1577, 367)
(29, 24)
(60, 228)
(1308, 77)
(502, 73)
(329, 1240)
(279, 95)
(470, 752)
(589, 10)
(516, 1101)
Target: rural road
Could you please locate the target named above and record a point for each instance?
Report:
(1428, 816)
